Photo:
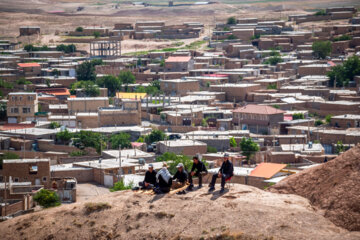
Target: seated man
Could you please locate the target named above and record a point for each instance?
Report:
(199, 170)
(150, 178)
(226, 171)
(180, 177)
(164, 180)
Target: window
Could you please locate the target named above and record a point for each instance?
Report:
(33, 169)
(44, 179)
(30, 98)
(14, 110)
(20, 98)
(26, 110)
(13, 98)
(16, 179)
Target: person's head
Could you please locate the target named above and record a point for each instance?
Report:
(151, 167)
(196, 159)
(226, 157)
(165, 165)
(180, 167)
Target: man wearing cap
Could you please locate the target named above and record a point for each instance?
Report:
(180, 177)
(199, 170)
(150, 178)
(226, 172)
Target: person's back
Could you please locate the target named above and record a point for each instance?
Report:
(164, 180)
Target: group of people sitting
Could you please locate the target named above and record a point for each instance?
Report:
(162, 181)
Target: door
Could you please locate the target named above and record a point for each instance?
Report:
(108, 181)
(37, 181)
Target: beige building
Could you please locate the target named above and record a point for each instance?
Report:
(235, 92)
(178, 87)
(185, 147)
(21, 105)
(86, 104)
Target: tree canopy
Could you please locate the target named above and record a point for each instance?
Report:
(231, 20)
(344, 73)
(126, 78)
(155, 136)
(112, 83)
(248, 147)
(86, 70)
(120, 139)
(321, 49)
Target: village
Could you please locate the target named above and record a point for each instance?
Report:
(84, 118)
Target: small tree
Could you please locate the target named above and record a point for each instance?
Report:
(92, 90)
(174, 160)
(233, 142)
(120, 139)
(321, 12)
(47, 198)
(155, 136)
(272, 86)
(248, 147)
(96, 34)
(339, 147)
(86, 72)
(204, 122)
(231, 21)
(273, 60)
(126, 78)
(231, 37)
(328, 118)
(321, 49)
(64, 136)
(121, 186)
(79, 29)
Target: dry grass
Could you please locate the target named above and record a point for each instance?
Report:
(96, 207)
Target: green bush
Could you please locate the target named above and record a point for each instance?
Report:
(342, 38)
(120, 139)
(79, 29)
(233, 142)
(328, 118)
(298, 116)
(174, 160)
(155, 136)
(7, 156)
(321, 12)
(272, 86)
(120, 186)
(96, 34)
(345, 73)
(231, 21)
(77, 153)
(318, 122)
(54, 125)
(273, 60)
(211, 149)
(231, 37)
(64, 136)
(47, 198)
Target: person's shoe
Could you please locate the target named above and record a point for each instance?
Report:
(211, 189)
(222, 190)
(189, 188)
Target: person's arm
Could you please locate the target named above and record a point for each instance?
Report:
(192, 168)
(176, 176)
(147, 177)
(204, 168)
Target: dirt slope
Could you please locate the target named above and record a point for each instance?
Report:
(244, 212)
(334, 187)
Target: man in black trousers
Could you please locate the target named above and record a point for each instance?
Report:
(199, 170)
(226, 171)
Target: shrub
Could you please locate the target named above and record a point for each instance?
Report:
(321, 12)
(231, 37)
(96, 207)
(120, 139)
(96, 34)
(7, 156)
(211, 149)
(121, 186)
(256, 36)
(64, 136)
(54, 125)
(298, 116)
(47, 198)
(77, 153)
(318, 122)
(342, 38)
(272, 86)
(328, 118)
(273, 60)
(233, 142)
(79, 29)
(231, 20)
(155, 136)
(174, 160)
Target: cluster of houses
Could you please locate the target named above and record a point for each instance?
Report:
(206, 101)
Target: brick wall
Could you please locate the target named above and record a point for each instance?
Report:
(81, 175)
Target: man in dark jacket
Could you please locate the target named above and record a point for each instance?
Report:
(199, 170)
(226, 171)
(180, 178)
(150, 178)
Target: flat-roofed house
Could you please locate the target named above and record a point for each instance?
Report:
(21, 105)
(179, 64)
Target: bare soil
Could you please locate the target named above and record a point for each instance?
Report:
(242, 213)
(333, 187)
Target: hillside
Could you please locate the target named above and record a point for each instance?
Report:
(243, 213)
(333, 187)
